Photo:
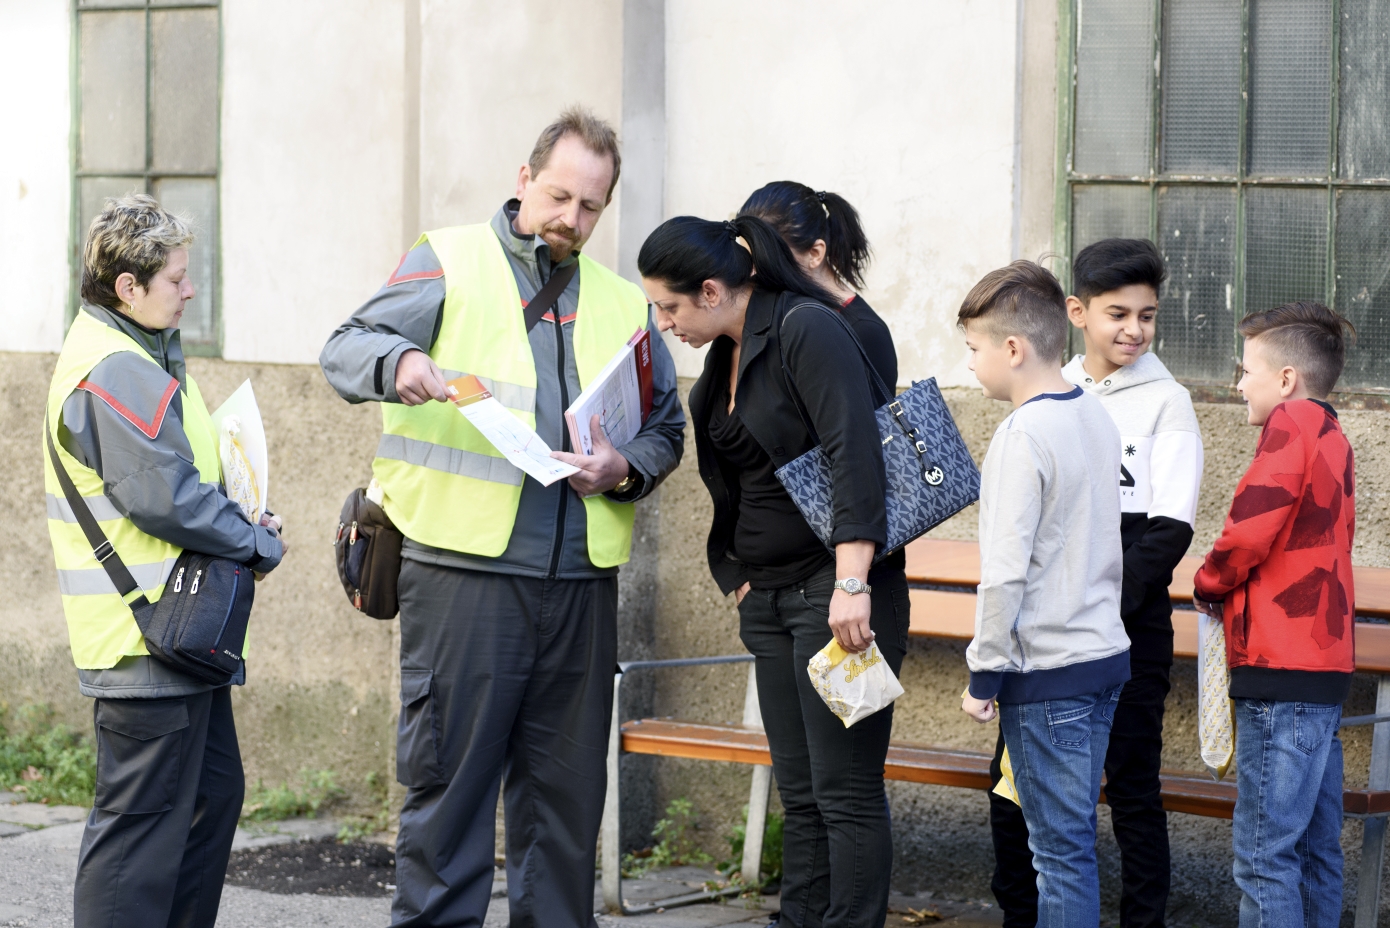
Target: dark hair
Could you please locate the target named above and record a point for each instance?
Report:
(802, 215)
(1021, 299)
(1112, 263)
(596, 134)
(686, 251)
(1306, 336)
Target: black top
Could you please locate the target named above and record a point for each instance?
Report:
(834, 385)
(771, 538)
(874, 336)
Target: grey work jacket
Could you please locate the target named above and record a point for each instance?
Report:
(549, 539)
(153, 482)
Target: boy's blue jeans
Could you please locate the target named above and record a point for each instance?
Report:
(1057, 749)
(1288, 818)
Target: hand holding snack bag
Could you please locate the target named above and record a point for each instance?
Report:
(853, 686)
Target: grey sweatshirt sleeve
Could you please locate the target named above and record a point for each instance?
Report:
(657, 448)
(359, 359)
(1010, 506)
(151, 479)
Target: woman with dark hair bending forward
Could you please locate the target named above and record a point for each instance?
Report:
(773, 337)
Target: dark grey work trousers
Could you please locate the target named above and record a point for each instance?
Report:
(837, 845)
(168, 796)
(503, 679)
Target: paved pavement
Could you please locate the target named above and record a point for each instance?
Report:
(38, 862)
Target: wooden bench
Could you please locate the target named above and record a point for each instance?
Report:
(943, 575)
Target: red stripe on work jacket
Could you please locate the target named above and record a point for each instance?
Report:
(151, 429)
(397, 277)
(550, 314)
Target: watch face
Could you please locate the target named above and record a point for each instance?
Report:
(852, 585)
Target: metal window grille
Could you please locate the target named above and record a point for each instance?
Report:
(146, 105)
(1250, 140)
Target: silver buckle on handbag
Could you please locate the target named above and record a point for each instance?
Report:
(104, 550)
(933, 477)
(921, 446)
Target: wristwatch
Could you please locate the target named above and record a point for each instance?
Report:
(853, 585)
(625, 484)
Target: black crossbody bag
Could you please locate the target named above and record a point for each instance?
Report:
(198, 626)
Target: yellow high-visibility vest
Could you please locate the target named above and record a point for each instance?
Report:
(101, 628)
(444, 484)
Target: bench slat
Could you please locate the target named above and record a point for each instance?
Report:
(957, 563)
(944, 614)
(1183, 791)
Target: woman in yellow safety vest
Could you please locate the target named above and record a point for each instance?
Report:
(130, 428)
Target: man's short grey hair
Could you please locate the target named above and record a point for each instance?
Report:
(132, 235)
(596, 134)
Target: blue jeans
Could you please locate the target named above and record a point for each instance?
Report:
(1057, 749)
(1288, 820)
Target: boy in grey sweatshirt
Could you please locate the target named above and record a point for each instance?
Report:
(1049, 644)
(1115, 304)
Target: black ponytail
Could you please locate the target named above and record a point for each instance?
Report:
(686, 251)
(802, 215)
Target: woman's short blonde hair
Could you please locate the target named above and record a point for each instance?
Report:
(133, 235)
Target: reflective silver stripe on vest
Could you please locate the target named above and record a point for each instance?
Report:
(449, 460)
(93, 581)
(102, 508)
(510, 395)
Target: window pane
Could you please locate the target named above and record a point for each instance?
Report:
(112, 84)
(1108, 211)
(1201, 86)
(1364, 126)
(183, 90)
(91, 197)
(1363, 283)
(1196, 319)
(90, 4)
(195, 199)
(1285, 246)
(1290, 87)
(1114, 86)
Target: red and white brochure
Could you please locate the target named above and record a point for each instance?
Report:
(620, 395)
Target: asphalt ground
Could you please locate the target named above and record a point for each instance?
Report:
(38, 863)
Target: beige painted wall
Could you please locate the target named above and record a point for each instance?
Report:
(491, 77)
(312, 136)
(35, 178)
(905, 108)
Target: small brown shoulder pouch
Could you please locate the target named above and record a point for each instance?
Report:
(367, 548)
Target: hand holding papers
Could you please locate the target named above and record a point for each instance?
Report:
(518, 442)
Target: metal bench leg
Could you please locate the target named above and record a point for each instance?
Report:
(612, 828)
(757, 824)
(1373, 836)
(758, 795)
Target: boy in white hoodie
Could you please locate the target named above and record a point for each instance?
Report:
(1114, 304)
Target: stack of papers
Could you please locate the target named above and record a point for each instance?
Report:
(517, 441)
(242, 448)
(621, 396)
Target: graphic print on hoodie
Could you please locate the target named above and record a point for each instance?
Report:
(1161, 471)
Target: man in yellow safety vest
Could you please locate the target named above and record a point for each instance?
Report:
(508, 589)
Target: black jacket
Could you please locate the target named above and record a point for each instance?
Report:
(834, 387)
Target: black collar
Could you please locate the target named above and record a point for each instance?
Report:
(1327, 406)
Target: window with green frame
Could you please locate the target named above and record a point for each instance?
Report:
(1250, 139)
(146, 119)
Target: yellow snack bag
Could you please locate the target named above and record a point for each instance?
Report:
(1216, 723)
(853, 686)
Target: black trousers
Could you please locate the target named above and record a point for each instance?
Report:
(837, 846)
(503, 680)
(168, 795)
(1132, 789)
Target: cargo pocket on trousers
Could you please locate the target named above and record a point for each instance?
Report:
(417, 739)
(139, 754)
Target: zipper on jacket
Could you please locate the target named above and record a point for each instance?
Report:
(563, 505)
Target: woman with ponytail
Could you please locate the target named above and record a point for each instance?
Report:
(828, 242)
(782, 375)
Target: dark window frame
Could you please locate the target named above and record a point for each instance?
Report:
(148, 176)
(1069, 180)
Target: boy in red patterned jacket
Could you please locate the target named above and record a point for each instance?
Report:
(1280, 577)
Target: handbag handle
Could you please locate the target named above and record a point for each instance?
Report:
(931, 473)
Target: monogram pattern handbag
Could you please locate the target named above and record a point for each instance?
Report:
(930, 475)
